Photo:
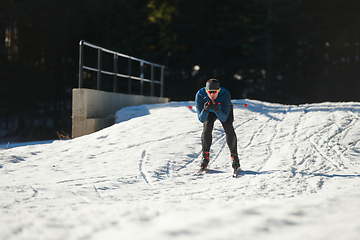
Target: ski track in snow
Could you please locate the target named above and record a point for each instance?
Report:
(134, 180)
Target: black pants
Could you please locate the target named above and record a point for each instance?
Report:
(206, 136)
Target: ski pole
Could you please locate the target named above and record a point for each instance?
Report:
(245, 105)
(240, 104)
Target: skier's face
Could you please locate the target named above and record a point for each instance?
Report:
(213, 94)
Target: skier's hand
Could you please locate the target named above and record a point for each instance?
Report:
(207, 106)
(215, 106)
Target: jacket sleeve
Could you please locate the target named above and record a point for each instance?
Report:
(225, 107)
(200, 101)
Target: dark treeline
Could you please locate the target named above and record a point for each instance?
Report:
(292, 52)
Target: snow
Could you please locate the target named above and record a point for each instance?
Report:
(134, 180)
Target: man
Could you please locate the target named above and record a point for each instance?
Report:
(213, 102)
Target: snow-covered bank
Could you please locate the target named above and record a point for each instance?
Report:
(134, 180)
(9, 145)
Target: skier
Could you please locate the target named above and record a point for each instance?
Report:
(213, 102)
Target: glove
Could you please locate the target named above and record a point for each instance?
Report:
(207, 106)
(215, 107)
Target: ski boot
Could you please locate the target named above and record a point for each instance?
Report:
(235, 161)
(205, 159)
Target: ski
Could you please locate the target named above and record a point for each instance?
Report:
(236, 172)
(207, 170)
(200, 171)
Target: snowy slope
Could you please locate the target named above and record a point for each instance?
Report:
(135, 180)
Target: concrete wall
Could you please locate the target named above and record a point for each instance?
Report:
(93, 110)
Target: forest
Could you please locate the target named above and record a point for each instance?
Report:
(290, 52)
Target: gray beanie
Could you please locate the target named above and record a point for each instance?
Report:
(212, 84)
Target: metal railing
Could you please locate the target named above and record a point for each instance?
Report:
(115, 72)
